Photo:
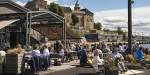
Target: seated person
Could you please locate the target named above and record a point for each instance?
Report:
(132, 59)
(139, 54)
(89, 57)
(147, 56)
(97, 61)
(119, 61)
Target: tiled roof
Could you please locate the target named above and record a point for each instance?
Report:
(67, 9)
(87, 12)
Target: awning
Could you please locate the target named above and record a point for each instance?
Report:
(5, 23)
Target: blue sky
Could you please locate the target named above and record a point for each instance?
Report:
(113, 13)
(100, 5)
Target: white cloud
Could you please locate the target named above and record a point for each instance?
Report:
(50, 1)
(118, 18)
(20, 3)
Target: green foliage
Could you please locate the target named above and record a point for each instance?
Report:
(125, 36)
(106, 30)
(120, 31)
(55, 8)
(98, 26)
(75, 19)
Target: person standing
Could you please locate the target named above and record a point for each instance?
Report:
(62, 53)
(83, 59)
(36, 59)
(46, 55)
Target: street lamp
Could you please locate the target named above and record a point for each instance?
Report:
(130, 24)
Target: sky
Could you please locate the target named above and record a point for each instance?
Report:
(113, 13)
(101, 5)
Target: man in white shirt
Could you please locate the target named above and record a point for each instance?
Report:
(46, 51)
(97, 61)
(46, 56)
(36, 59)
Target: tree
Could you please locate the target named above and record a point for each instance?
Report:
(107, 30)
(98, 26)
(120, 31)
(55, 8)
(75, 19)
(125, 36)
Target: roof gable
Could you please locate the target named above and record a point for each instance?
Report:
(67, 9)
(7, 6)
(88, 12)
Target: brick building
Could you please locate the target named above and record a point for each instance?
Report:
(50, 31)
(85, 17)
(37, 5)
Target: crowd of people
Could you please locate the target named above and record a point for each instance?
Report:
(97, 55)
(115, 54)
(57, 51)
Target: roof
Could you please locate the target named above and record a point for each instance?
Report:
(87, 12)
(12, 3)
(67, 9)
(36, 5)
(55, 32)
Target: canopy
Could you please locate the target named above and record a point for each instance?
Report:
(5, 23)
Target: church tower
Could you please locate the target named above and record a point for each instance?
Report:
(77, 6)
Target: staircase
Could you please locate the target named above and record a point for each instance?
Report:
(36, 35)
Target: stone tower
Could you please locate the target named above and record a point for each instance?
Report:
(77, 6)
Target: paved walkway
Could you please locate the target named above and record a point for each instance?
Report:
(137, 72)
(71, 69)
(65, 68)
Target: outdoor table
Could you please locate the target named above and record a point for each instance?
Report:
(73, 54)
(55, 57)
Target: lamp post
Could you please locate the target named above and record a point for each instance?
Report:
(130, 24)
